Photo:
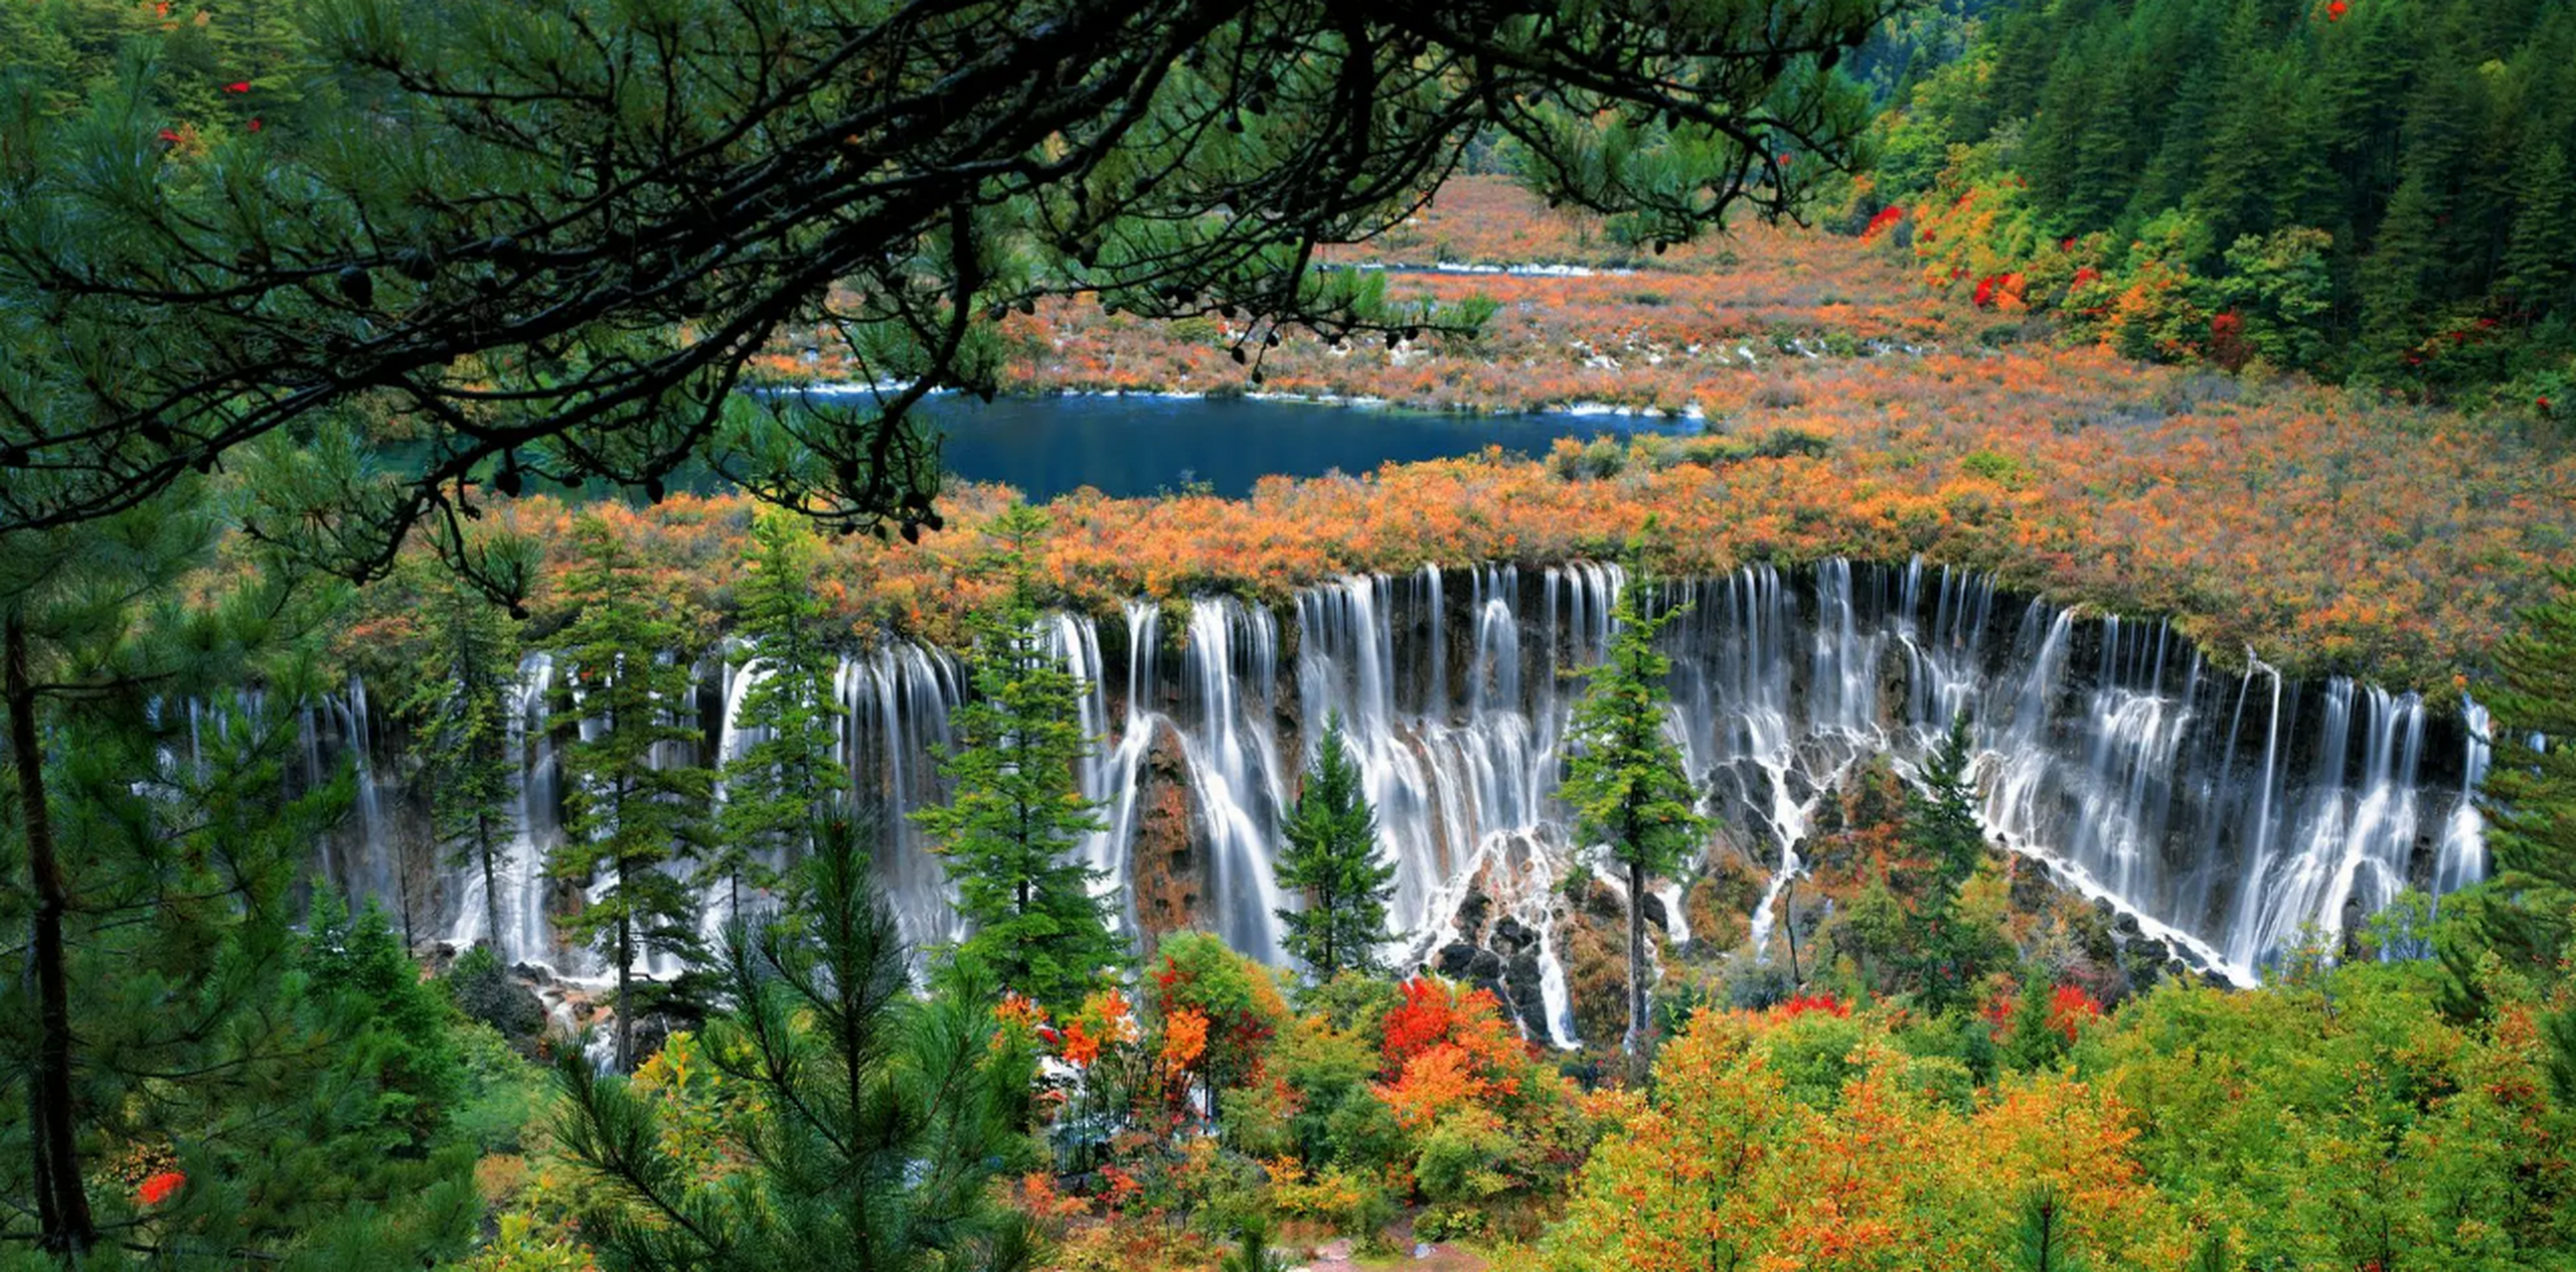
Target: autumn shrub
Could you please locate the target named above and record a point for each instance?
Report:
(1726, 1166)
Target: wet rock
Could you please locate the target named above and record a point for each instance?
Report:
(1511, 937)
(1655, 912)
(1485, 964)
(1454, 959)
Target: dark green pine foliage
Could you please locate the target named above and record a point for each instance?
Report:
(637, 804)
(785, 782)
(153, 853)
(464, 687)
(1946, 955)
(2044, 1241)
(880, 1119)
(2415, 136)
(1624, 776)
(2526, 913)
(1016, 815)
(1332, 859)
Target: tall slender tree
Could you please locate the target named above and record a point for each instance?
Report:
(463, 690)
(1010, 829)
(1332, 858)
(1624, 776)
(781, 786)
(637, 801)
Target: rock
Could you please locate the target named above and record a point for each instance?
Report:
(1485, 964)
(1510, 936)
(1655, 912)
(1456, 958)
(1422, 1250)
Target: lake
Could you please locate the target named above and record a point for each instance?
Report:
(1131, 446)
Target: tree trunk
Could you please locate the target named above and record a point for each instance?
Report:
(625, 976)
(1789, 925)
(1636, 1044)
(491, 883)
(68, 1227)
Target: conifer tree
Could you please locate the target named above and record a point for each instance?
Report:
(1624, 776)
(464, 688)
(1948, 953)
(1010, 828)
(880, 1120)
(637, 804)
(2541, 259)
(783, 784)
(1332, 858)
(2043, 1241)
(2526, 912)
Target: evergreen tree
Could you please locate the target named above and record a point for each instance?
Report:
(163, 1000)
(2043, 1241)
(2526, 913)
(464, 689)
(1015, 817)
(2542, 257)
(786, 782)
(635, 807)
(1332, 858)
(1624, 776)
(881, 1121)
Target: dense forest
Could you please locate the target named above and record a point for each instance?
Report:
(2366, 190)
(2042, 743)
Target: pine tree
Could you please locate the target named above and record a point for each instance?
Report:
(2043, 1241)
(1011, 826)
(2526, 913)
(1332, 858)
(2541, 258)
(154, 849)
(1942, 817)
(882, 1120)
(635, 808)
(464, 683)
(1624, 776)
(782, 785)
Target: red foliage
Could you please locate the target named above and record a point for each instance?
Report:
(2070, 1007)
(1985, 297)
(1887, 216)
(1805, 1003)
(2227, 340)
(157, 1188)
(238, 86)
(2336, 10)
(1424, 1019)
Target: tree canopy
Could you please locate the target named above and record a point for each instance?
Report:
(548, 238)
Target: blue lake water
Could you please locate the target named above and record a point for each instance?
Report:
(1130, 446)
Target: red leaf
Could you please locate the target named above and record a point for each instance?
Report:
(238, 86)
(157, 1188)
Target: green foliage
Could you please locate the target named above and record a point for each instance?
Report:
(2380, 190)
(1624, 777)
(630, 810)
(2525, 916)
(1332, 858)
(2042, 1241)
(1015, 817)
(785, 782)
(458, 708)
(483, 990)
(395, 1026)
(868, 1124)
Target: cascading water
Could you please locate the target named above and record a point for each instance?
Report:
(2223, 811)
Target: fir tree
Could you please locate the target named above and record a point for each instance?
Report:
(882, 1120)
(2542, 256)
(783, 784)
(635, 808)
(464, 688)
(1332, 858)
(1624, 777)
(2526, 913)
(1011, 826)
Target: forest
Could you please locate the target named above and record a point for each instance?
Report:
(2041, 741)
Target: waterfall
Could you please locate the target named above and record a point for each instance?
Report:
(2222, 811)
